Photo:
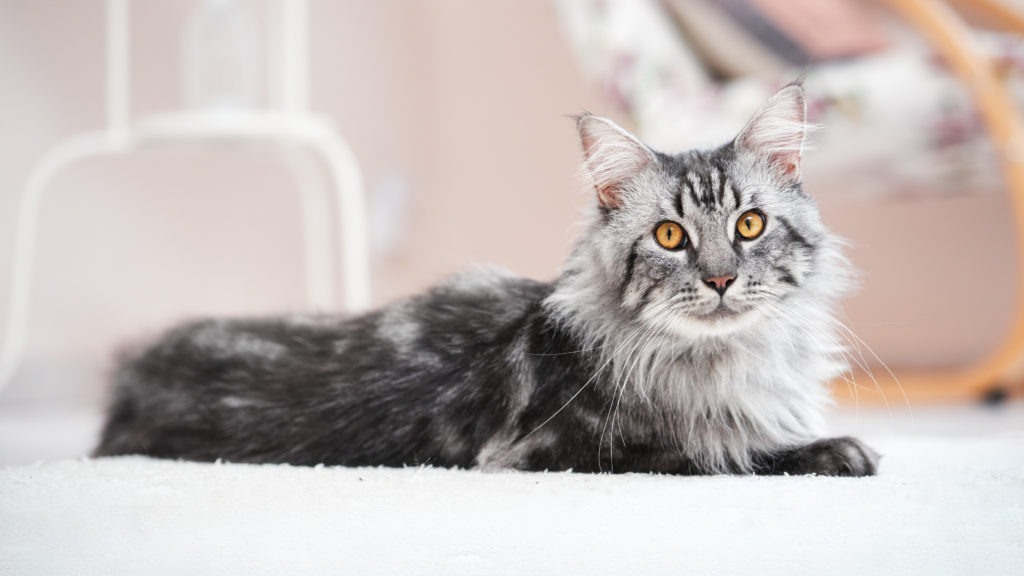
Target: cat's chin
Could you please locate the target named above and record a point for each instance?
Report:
(722, 321)
(722, 314)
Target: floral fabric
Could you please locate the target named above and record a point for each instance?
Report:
(897, 123)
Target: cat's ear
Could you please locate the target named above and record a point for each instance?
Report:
(776, 134)
(613, 157)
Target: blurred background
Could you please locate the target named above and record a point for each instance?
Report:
(456, 112)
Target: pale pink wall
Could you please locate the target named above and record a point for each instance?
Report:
(466, 100)
(937, 280)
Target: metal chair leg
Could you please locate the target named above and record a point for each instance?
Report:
(318, 229)
(57, 158)
(351, 215)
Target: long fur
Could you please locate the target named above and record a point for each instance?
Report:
(628, 361)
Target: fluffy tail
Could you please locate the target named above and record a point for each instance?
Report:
(123, 432)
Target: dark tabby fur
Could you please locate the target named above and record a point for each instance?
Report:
(613, 366)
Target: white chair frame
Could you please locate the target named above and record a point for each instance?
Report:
(282, 131)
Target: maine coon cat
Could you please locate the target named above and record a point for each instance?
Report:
(689, 332)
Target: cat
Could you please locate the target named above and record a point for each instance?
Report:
(689, 332)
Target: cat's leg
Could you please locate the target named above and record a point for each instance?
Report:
(843, 456)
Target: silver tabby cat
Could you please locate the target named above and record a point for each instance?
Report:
(690, 332)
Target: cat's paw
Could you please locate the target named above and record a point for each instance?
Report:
(842, 456)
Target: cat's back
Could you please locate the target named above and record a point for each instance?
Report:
(479, 302)
(207, 382)
(471, 308)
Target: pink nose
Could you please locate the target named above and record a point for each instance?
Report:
(719, 283)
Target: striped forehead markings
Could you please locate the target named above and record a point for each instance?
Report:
(722, 179)
(691, 182)
(714, 179)
(706, 187)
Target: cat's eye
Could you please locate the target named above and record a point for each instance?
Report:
(671, 236)
(750, 225)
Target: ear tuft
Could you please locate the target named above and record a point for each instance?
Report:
(778, 131)
(613, 157)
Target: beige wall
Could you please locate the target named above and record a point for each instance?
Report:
(463, 99)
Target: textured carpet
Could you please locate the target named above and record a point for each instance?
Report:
(944, 503)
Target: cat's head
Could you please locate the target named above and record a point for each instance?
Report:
(706, 240)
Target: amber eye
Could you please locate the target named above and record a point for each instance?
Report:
(750, 225)
(670, 235)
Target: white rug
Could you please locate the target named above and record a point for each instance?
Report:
(942, 504)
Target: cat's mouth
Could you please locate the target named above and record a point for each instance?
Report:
(721, 313)
(722, 320)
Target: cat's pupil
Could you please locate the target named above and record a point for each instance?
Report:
(747, 222)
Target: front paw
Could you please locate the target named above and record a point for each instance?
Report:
(842, 456)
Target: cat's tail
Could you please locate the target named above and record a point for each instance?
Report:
(123, 431)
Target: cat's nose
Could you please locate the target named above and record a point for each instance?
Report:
(720, 283)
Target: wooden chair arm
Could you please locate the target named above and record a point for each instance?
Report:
(947, 33)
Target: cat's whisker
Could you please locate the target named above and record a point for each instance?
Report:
(614, 403)
(608, 412)
(638, 343)
(650, 335)
(865, 367)
(846, 356)
(859, 360)
(579, 351)
(896, 380)
(857, 342)
(585, 384)
(590, 380)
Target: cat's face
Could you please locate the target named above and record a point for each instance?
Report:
(706, 241)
